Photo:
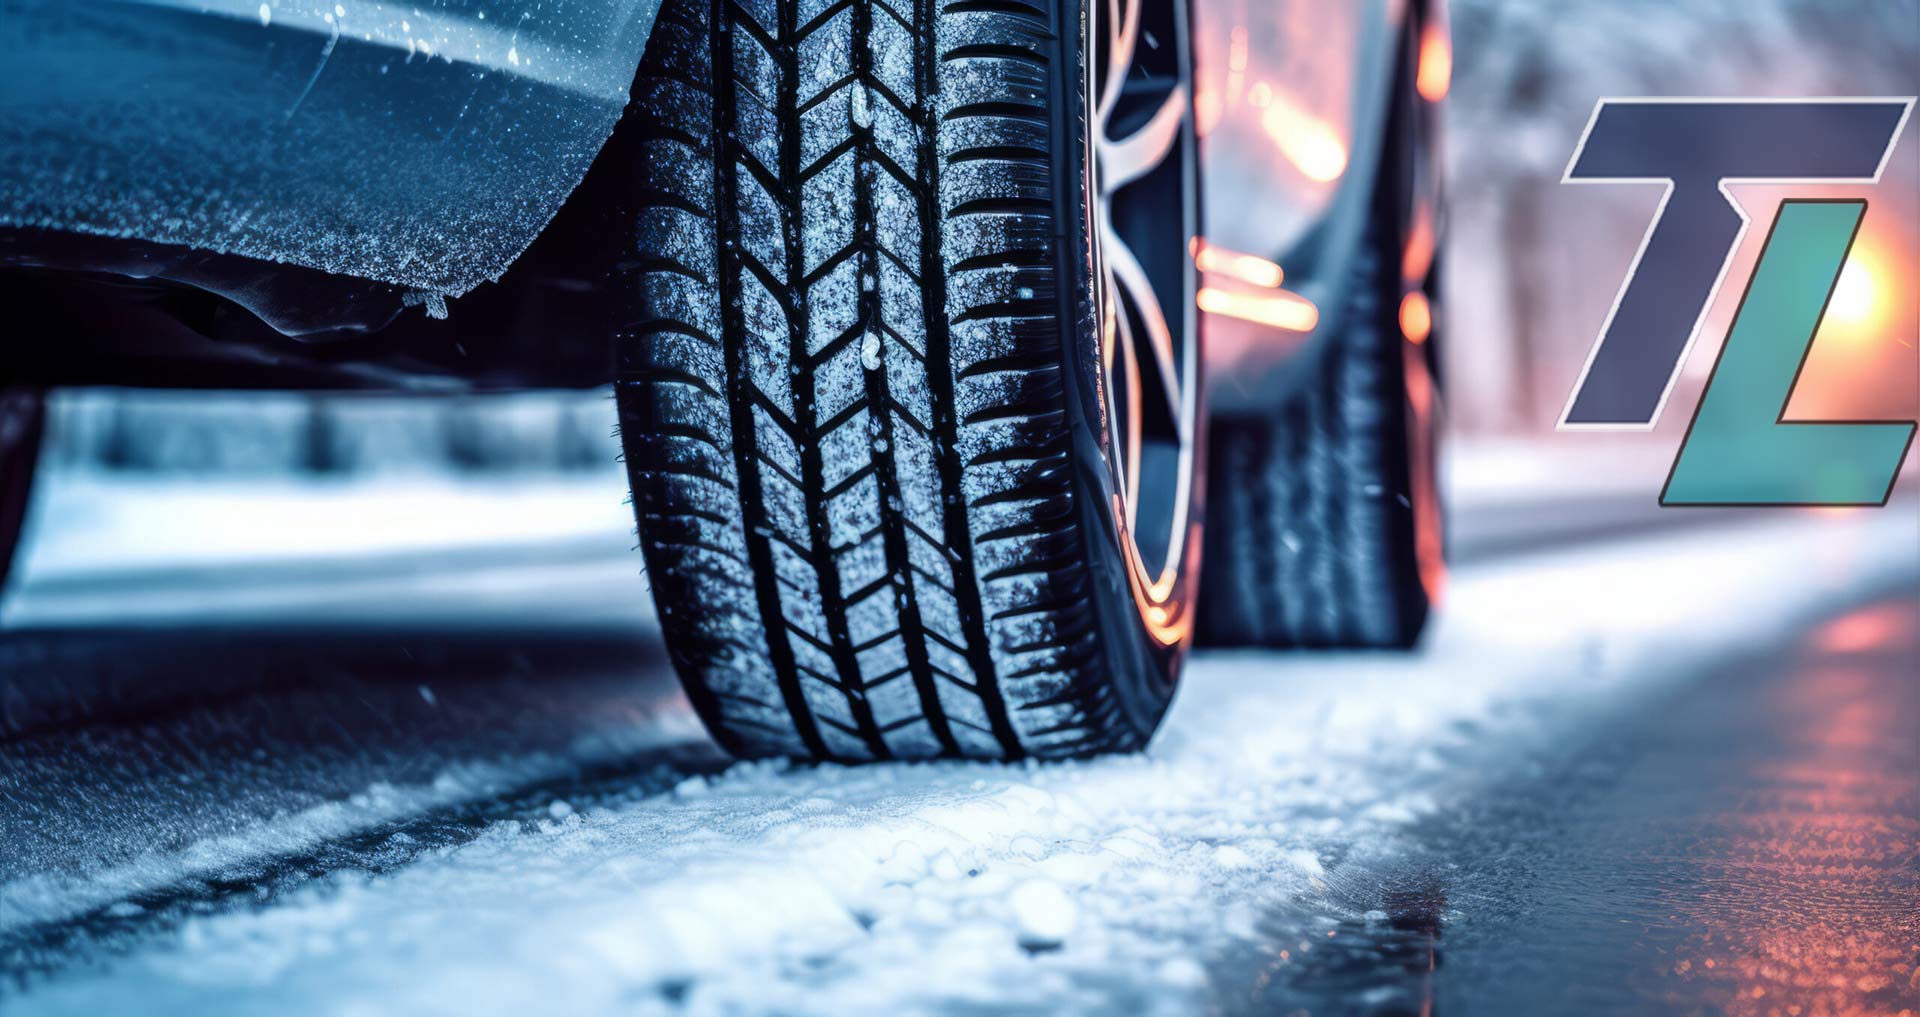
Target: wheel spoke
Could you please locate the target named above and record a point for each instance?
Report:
(1123, 24)
(1133, 157)
(1134, 287)
(1131, 412)
(1109, 336)
(1146, 355)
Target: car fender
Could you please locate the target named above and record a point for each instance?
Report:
(421, 145)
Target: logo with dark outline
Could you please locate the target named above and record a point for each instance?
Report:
(1739, 449)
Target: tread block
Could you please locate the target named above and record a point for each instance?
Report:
(890, 51)
(759, 133)
(756, 69)
(860, 566)
(762, 222)
(846, 451)
(827, 208)
(855, 514)
(825, 56)
(840, 385)
(833, 305)
(896, 136)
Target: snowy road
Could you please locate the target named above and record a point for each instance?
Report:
(1668, 771)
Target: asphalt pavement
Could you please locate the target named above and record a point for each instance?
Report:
(1644, 764)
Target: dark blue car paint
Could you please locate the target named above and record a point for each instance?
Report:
(421, 145)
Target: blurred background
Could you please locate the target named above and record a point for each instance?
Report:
(1537, 264)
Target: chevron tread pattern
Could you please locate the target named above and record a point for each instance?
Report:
(842, 400)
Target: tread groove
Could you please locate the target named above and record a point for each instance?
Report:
(779, 648)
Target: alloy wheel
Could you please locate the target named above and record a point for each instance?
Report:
(1143, 169)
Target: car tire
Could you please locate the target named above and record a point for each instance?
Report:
(1329, 534)
(866, 395)
(22, 423)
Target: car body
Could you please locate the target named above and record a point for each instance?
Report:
(420, 145)
(240, 193)
(337, 171)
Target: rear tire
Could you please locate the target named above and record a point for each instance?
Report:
(862, 393)
(1329, 534)
(1316, 541)
(22, 423)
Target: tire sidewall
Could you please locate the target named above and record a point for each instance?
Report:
(1143, 670)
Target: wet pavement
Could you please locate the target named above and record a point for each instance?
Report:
(1748, 844)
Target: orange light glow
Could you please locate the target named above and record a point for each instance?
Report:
(1418, 259)
(1436, 64)
(1419, 383)
(1311, 144)
(1247, 268)
(1854, 294)
(1861, 365)
(1429, 539)
(1281, 310)
(1170, 625)
(1416, 317)
(1861, 631)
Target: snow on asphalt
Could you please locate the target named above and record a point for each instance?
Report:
(1109, 884)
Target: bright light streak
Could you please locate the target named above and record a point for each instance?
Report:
(1282, 310)
(1435, 75)
(1311, 144)
(1247, 268)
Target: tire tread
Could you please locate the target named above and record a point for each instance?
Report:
(830, 542)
